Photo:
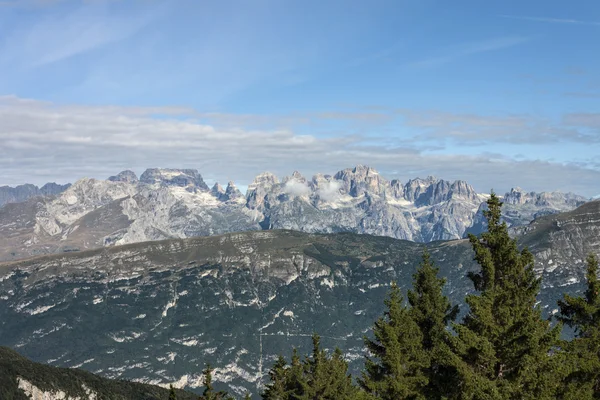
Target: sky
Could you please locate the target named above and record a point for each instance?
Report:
(497, 93)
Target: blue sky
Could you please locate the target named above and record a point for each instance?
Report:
(233, 88)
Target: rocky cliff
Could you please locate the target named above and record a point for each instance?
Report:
(170, 203)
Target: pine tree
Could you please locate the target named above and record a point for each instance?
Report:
(247, 396)
(432, 312)
(278, 376)
(582, 314)
(172, 395)
(394, 368)
(209, 391)
(295, 385)
(317, 377)
(326, 378)
(503, 342)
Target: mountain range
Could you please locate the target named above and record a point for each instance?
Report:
(156, 312)
(24, 192)
(177, 203)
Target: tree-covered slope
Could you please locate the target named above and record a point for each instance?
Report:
(157, 312)
(21, 378)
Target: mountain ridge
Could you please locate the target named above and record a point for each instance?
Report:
(156, 312)
(172, 203)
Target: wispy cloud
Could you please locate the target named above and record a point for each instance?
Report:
(485, 130)
(43, 141)
(553, 20)
(60, 35)
(467, 49)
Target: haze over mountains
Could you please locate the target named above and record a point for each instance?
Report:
(177, 203)
(23, 192)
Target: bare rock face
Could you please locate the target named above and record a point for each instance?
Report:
(232, 192)
(414, 188)
(258, 190)
(520, 208)
(218, 191)
(173, 177)
(124, 176)
(176, 203)
(360, 180)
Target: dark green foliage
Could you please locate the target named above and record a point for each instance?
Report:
(172, 395)
(71, 381)
(276, 389)
(503, 343)
(317, 377)
(432, 312)
(395, 367)
(582, 377)
(209, 391)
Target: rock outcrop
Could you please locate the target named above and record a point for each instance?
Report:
(174, 203)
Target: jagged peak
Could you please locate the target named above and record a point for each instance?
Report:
(361, 167)
(232, 191)
(124, 176)
(217, 188)
(173, 177)
(265, 178)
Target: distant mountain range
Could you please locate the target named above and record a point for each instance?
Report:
(24, 192)
(177, 203)
(156, 312)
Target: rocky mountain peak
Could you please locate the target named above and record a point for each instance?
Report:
(124, 176)
(52, 188)
(24, 192)
(361, 179)
(232, 192)
(298, 177)
(259, 188)
(440, 190)
(515, 196)
(217, 189)
(416, 187)
(173, 177)
(266, 179)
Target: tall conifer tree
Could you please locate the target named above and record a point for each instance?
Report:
(582, 379)
(503, 343)
(317, 377)
(172, 395)
(209, 391)
(394, 368)
(432, 312)
(277, 389)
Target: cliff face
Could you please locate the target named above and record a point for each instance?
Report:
(170, 203)
(158, 311)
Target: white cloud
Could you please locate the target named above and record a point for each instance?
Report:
(296, 188)
(553, 20)
(59, 35)
(42, 142)
(330, 191)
